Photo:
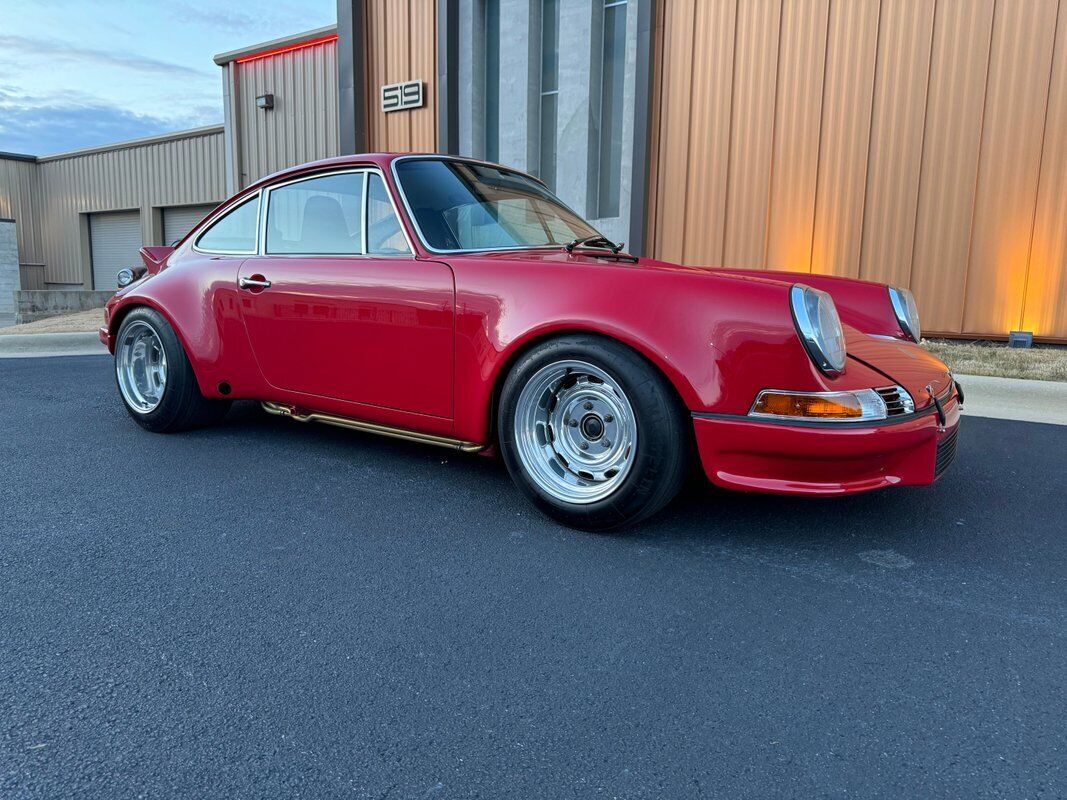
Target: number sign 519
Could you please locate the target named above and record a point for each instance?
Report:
(402, 96)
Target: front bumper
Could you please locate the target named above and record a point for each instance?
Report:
(739, 452)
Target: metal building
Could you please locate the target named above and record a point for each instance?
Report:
(920, 143)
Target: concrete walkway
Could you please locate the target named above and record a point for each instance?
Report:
(1000, 398)
(43, 345)
(1011, 398)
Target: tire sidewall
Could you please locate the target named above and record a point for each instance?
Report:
(655, 413)
(160, 417)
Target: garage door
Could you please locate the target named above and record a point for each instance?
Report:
(114, 240)
(179, 220)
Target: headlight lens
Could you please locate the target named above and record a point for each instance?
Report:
(904, 306)
(864, 405)
(125, 277)
(819, 327)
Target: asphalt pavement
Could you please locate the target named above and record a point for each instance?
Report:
(268, 609)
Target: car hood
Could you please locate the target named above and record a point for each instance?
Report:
(904, 363)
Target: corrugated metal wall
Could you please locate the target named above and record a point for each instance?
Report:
(401, 45)
(303, 124)
(20, 200)
(175, 171)
(918, 142)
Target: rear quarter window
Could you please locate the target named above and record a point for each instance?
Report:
(233, 232)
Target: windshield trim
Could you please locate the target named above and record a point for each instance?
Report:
(438, 157)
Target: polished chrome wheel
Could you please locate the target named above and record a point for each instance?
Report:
(141, 366)
(575, 431)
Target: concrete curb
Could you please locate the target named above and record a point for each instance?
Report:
(1013, 398)
(45, 345)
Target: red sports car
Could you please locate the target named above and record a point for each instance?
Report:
(461, 304)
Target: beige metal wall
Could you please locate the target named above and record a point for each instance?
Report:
(916, 142)
(20, 200)
(401, 45)
(181, 169)
(303, 124)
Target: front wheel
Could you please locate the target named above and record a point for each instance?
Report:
(592, 433)
(155, 380)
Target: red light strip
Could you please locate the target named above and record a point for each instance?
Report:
(332, 37)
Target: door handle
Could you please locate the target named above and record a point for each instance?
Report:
(254, 283)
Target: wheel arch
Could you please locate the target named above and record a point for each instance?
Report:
(124, 310)
(679, 386)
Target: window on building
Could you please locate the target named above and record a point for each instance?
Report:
(611, 109)
(384, 234)
(492, 80)
(549, 89)
(317, 216)
(233, 232)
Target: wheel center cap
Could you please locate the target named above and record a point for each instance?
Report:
(592, 427)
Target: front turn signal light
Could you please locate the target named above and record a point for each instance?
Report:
(864, 405)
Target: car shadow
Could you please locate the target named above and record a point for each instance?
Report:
(701, 514)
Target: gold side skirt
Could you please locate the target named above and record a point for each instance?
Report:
(371, 427)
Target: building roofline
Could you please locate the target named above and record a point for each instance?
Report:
(222, 59)
(16, 157)
(146, 140)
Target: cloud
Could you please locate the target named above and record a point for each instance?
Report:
(67, 123)
(258, 22)
(54, 49)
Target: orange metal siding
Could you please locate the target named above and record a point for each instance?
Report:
(917, 142)
(401, 45)
(1046, 281)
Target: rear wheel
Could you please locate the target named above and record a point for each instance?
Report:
(592, 433)
(155, 379)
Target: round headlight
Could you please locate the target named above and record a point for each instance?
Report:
(819, 327)
(125, 277)
(907, 312)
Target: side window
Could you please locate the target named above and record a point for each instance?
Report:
(233, 232)
(384, 234)
(317, 216)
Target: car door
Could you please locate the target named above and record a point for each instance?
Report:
(336, 305)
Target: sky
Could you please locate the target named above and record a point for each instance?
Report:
(83, 73)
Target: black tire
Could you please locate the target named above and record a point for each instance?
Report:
(182, 406)
(660, 464)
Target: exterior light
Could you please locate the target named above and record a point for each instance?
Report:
(906, 311)
(265, 101)
(864, 405)
(1022, 339)
(819, 327)
(125, 277)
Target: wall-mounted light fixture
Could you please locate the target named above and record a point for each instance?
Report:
(1020, 339)
(265, 101)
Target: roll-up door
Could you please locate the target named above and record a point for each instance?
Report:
(114, 239)
(179, 220)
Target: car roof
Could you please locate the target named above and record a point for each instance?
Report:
(381, 160)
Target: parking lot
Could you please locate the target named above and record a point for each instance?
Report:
(269, 609)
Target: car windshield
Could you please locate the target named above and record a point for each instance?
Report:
(459, 205)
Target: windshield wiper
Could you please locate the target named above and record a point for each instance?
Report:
(600, 247)
(592, 242)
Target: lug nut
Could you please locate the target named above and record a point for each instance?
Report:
(606, 443)
(573, 423)
(588, 406)
(609, 418)
(584, 445)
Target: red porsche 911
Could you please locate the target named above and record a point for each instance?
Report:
(461, 304)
